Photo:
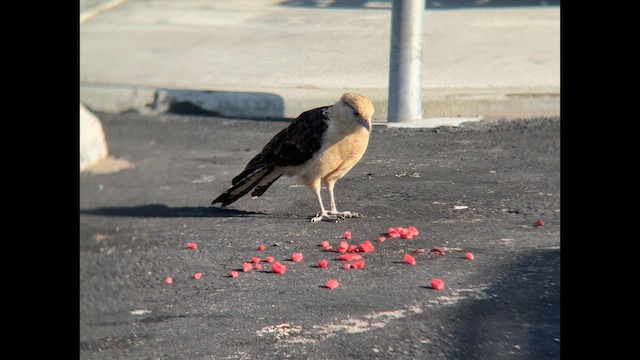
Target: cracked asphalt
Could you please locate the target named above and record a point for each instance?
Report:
(478, 188)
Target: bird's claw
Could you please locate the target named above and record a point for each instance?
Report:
(335, 216)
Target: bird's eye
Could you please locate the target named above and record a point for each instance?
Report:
(356, 113)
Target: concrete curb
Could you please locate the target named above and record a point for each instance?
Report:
(93, 146)
(289, 103)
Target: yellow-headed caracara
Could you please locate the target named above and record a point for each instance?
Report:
(321, 145)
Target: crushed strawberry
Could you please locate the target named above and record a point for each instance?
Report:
(381, 239)
(323, 263)
(343, 247)
(278, 268)
(255, 259)
(332, 284)
(296, 257)
(437, 284)
(347, 266)
(408, 259)
(347, 235)
(358, 264)
(193, 246)
(350, 257)
(540, 223)
(352, 248)
(325, 244)
(366, 246)
(269, 259)
(261, 247)
(437, 251)
(246, 267)
(233, 273)
(257, 266)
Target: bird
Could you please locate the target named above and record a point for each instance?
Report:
(319, 146)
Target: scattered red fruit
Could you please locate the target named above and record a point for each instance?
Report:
(332, 284)
(192, 246)
(168, 280)
(540, 223)
(366, 246)
(350, 257)
(258, 266)
(358, 264)
(419, 251)
(325, 244)
(197, 275)
(352, 248)
(261, 247)
(347, 235)
(246, 267)
(323, 264)
(437, 251)
(233, 273)
(437, 284)
(408, 259)
(343, 247)
(296, 257)
(328, 248)
(255, 260)
(278, 268)
(469, 256)
(381, 239)
(347, 266)
(269, 259)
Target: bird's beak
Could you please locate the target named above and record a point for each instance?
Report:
(365, 123)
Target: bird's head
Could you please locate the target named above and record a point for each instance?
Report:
(355, 107)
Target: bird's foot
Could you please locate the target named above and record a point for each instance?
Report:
(335, 216)
(346, 214)
(325, 217)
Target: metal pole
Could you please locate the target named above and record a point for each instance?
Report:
(405, 65)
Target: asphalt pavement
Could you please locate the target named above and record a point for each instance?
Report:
(478, 188)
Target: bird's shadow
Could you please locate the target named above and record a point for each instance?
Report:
(164, 211)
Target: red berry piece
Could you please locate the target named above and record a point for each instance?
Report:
(261, 247)
(343, 247)
(408, 259)
(366, 246)
(233, 273)
(332, 284)
(540, 223)
(347, 235)
(197, 275)
(469, 256)
(347, 266)
(269, 259)
(246, 267)
(257, 266)
(350, 257)
(437, 284)
(323, 263)
(437, 251)
(168, 280)
(255, 260)
(381, 239)
(278, 268)
(325, 244)
(358, 264)
(297, 257)
(193, 246)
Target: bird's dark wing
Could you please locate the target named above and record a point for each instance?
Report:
(297, 143)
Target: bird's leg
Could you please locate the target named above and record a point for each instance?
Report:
(334, 209)
(322, 215)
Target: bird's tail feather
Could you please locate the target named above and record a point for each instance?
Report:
(265, 183)
(242, 186)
